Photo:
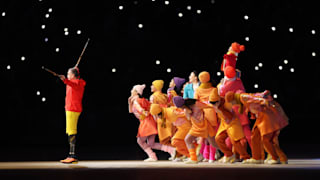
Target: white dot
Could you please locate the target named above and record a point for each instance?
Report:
(256, 68)
(260, 64)
(314, 54)
(120, 7)
(38, 93)
(157, 62)
(280, 68)
(285, 61)
(291, 69)
(189, 7)
(273, 28)
(275, 96)
(218, 73)
(43, 99)
(247, 38)
(23, 58)
(113, 70)
(290, 29)
(65, 29)
(3, 14)
(313, 31)
(79, 32)
(8, 67)
(168, 70)
(153, 0)
(199, 11)
(212, 1)
(47, 15)
(43, 26)
(140, 26)
(256, 86)
(246, 17)
(40, 0)
(166, 2)
(57, 49)
(46, 39)
(66, 33)
(50, 10)
(180, 14)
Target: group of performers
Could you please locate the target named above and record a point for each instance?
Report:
(197, 122)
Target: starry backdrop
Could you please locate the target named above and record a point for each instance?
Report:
(136, 42)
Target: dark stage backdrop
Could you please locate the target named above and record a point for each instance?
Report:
(127, 38)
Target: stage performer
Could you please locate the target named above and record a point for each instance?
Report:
(270, 119)
(177, 117)
(73, 106)
(192, 86)
(175, 86)
(194, 111)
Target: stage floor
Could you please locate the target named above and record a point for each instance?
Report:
(293, 164)
(162, 170)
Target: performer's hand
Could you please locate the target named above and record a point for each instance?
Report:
(62, 77)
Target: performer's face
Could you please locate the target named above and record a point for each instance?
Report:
(153, 89)
(192, 77)
(70, 75)
(172, 84)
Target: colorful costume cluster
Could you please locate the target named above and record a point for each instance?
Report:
(195, 120)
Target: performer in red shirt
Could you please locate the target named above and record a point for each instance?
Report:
(73, 106)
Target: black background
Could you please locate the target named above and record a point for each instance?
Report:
(34, 130)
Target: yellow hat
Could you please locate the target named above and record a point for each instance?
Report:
(155, 109)
(158, 84)
(214, 95)
(204, 77)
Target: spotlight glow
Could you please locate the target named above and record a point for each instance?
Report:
(3, 14)
(280, 67)
(8, 67)
(120, 7)
(218, 73)
(247, 38)
(180, 14)
(291, 69)
(113, 70)
(23, 58)
(260, 64)
(79, 32)
(275, 96)
(50, 10)
(273, 28)
(47, 15)
(166, 2)
(313, 31)
(169, 70)
(43, 99)
(256, 86)
(65, 29)
(290, 29)
(189, 7)
(285, 61)
(46, 39)
(246, 17)
(140, 26)
(256, 68)
(198, 11)
(314, 54)
(66, 33)
(38, 93)
(158, 62)
(57, 49)
(43, 26)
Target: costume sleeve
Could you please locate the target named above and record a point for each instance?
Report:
(70, 83)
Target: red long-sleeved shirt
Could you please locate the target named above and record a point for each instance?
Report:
(74, 94)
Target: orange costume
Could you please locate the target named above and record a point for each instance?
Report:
(177, 117)
(230, 126)
(202, 94)
(160, 98)
(270, 119)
